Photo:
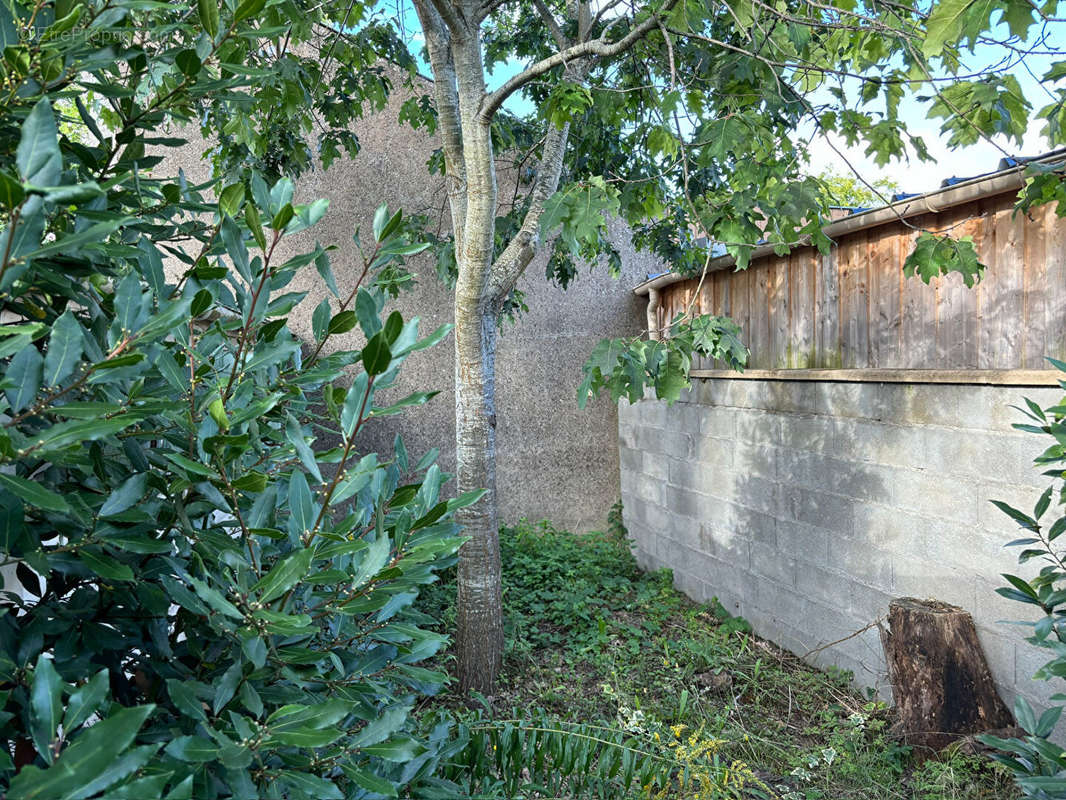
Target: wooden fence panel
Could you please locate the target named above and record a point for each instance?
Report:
(853, 308)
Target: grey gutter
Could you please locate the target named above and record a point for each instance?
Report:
(931, 202)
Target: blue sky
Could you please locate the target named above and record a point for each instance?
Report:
(912, 175)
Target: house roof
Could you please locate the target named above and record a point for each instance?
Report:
(1009, 176)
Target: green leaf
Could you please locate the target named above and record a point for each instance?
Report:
(399, 749)
(285, 574)
(366, 309)
(320, 319)
(357, 400)
(184, 698)
(381, 218)
(249, 8)
(11, 192)
(90, 759)
(46, 706)
(301, 506)
(125, 496)
(311, 786)
(128, 299)
(84, 701)
(33, 493)
(342, 322)
(105, 566)
(374, 560)
(23, 378)
(194, 749)
(370, 781)
(285, 215)
(37, 157)
(295, 436)
(208, 13)
(376, 355)
(229, 201)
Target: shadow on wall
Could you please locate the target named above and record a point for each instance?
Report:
(808, 506)
(817, 578)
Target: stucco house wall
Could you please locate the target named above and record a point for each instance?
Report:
(554, 460)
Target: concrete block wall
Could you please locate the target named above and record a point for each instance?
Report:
(807, 506)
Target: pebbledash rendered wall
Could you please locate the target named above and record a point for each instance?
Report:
(555, 460)
(807, 506)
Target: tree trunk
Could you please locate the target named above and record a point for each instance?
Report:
(940, 679)
(479, 634)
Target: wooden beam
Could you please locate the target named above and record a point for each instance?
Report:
(981, 377)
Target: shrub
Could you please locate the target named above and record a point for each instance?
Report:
(202, 599)
(1039, 765)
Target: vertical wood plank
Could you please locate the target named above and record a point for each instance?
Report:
(1035, 291)
(777, 307)
(956, 311)
(918, 305)
(827, 312)
(1055, 307)
(801, 283)
(1003, 312)
(738, 294)
(885, 317)
(758, 315)
(854, 307)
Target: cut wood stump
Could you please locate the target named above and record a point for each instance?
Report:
(940, 680)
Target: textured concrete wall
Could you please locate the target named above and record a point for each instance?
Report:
(806, 507)
(555, 461)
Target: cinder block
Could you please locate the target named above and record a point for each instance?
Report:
(686, 417)
(717, 422)
(1028, 658)
(860, 560)
(817, 433)
(709, 392)
(769, 562)
(892, 529)
(630, 460)
(759, 427)
(833, 512)
(657, 466)
(806, 543)
(647, 488)
(697, 476)
(723, 545)
(880, 442)
(824, 585)
(684, 502)
(999, 652)
(995, 521)
(917, 577)
(758, 459)
(712, 452)
(759, 494)
(934, 495)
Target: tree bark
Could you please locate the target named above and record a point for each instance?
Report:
(941, 682)
(465, 111)
(479, 634)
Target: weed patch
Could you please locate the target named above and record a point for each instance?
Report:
(613, 660)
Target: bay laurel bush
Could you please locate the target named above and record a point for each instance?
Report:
(206, 578)
(1038, 764)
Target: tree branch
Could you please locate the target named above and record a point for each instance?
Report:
(599, 48)
(446, 100)
(553, 26)
(513, 261)
(449, 14)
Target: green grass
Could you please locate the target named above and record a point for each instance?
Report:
(593, 640)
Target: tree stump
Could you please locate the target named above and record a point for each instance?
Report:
(940, 679)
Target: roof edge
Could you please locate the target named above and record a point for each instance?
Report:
(934, 201)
